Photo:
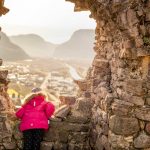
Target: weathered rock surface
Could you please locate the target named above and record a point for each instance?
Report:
(143, 114)
(142, 141)
(120, 68)
(118, 83)
(63, 111)
(5, 105)
(123, 126)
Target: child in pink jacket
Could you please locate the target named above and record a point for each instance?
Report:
(34, 115)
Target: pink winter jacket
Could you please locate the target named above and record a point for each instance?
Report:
(35, 114)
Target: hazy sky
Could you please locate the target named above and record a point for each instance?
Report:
(52, 19)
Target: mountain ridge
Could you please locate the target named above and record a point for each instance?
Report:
(34, 45)
(9, 50)
(80, 45)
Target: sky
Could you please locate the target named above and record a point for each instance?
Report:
(54, 20)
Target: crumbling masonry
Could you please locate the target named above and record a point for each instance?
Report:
(113, 108)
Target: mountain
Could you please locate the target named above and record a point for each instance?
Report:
(79, 46)
(10, 51)
(34, 45)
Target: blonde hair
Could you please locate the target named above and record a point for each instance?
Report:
(32, 95)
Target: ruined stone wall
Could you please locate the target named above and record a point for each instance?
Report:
(6, 106)
(120, 86)
(69, 129)
(118, 83)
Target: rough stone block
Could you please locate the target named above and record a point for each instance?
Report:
(148, 3)
(142, 141)
(123, 18)
(67, 100)
(134, 87)
(123, 126)
(142, 52)
(143, 113)
(78, 147)
(51, 135)
(63, 111)
(78, 138)
(82, 84)
(125, 53)
(70, 127)
(60, 146)
(128, 44)
(103, 64)
(143, 30)
(137, 100)
(139, 42)
(147, 128)
(3, 74)
(83, 105)
(47, 146)
(147, 18)
(63, 136)
(148, 100)
(10, 145)
(102, 143)
(78, 117)
(131, 17)
(119, 142)
(121, 108)
(134, 32)
(140, 12)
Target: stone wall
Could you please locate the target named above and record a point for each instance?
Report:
(120, 74)
(6, 140)
(117, 83)
(69, 129)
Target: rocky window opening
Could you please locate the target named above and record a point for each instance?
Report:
(112, 110)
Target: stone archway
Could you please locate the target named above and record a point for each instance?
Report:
(118, 83)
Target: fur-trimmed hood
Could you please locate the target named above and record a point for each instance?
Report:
(32, 95)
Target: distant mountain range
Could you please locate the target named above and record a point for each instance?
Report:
(34, 45)
(79, 46)
(19, 47)
(10, 51)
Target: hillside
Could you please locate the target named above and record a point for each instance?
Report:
(34, 45)
(10, 51)
(79, 46)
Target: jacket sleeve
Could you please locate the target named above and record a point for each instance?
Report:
(20, 112)
(49, 110)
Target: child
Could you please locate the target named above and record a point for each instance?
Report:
(34, 115)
